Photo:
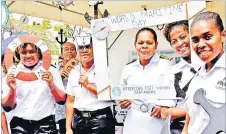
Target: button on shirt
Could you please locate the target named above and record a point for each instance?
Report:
(84, 99)
(135, 74)
(213, 82)
(34, 99)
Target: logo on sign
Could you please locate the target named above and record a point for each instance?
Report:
(221, 84)
(116, 91)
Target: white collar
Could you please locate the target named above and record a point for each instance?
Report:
(220, 63)
(154, 58)
(22, 67)
(183, 64)
(91, 68)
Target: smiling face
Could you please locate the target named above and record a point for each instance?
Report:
(145, 45)
(86, 53)
(179, 40)
(29, 55)
(207, 39)
(68, 52)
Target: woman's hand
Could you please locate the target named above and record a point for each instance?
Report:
(11, 81)
(48, 77)
(125, 103)
(156, 112)
(165, 112)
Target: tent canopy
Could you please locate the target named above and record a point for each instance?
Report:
(74, 14)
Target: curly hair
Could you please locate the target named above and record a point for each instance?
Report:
(37, 49)
(168, 28)
(208, 15)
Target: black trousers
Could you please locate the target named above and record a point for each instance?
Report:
(94, 122)
(46, 125)
(62, 126)
(177, 125)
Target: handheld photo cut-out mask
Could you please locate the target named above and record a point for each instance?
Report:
(24, 76)
(217, 116)
(82, 39)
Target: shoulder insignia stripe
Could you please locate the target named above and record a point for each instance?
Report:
(166, 57)
(131, 61)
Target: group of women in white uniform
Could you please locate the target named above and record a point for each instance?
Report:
(207, 37)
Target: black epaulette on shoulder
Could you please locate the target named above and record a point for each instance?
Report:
(52, 65)
(166, 57)
(131, 61)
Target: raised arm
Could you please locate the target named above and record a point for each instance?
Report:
(9, 93)
(83, 80)
(56, 86)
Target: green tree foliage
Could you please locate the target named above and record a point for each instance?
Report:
(38, 30)
(65, 28)
(46, 24)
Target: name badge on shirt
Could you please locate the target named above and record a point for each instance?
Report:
(221, 84)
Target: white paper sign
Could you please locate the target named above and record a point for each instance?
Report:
(12, 70)
(39, 72)
(148, 18)
(42, 45)
(152, 92)
(14, 44)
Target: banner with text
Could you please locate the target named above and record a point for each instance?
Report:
(153, 92)
(148, 18)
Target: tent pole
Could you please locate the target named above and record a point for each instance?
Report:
(115, 40)
(100, 12)
(10, 3)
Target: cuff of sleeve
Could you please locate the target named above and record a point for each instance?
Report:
(167, 103)
(69, 93)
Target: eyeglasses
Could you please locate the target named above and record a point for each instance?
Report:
(85, 46)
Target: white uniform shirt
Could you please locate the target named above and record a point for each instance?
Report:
(34, 99)
(84, 99)
(213, 82)
(184, 67)
(136, 121)
(8, 114)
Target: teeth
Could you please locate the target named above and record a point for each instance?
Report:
(182, 48)
(203, 52)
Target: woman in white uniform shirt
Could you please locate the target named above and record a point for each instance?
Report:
(145, 71)
(32, 102)
(177, 34)
(208, 36)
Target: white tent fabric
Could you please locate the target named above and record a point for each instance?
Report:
(74, 14)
